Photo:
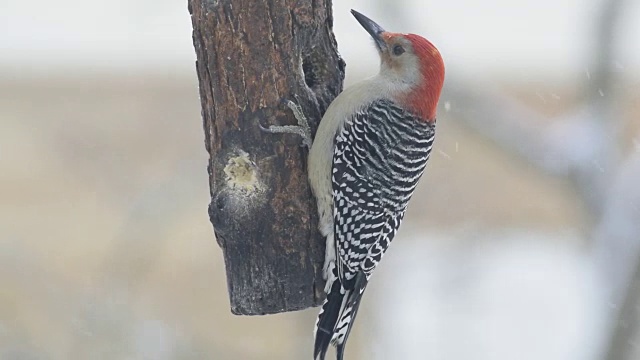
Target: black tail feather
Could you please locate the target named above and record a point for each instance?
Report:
(353, 303)
(341, 346)
(327, 320)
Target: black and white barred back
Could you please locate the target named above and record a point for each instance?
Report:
(379, 156)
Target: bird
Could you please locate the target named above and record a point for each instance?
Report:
(369, 152)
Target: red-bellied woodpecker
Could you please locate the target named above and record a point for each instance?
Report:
(368, 154)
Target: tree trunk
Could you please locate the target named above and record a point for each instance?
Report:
(251, 56)
(624, 344)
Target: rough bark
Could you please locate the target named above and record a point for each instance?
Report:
(251, 56)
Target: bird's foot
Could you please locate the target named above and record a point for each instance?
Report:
(301, 129)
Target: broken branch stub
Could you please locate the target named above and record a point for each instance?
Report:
(251, 56)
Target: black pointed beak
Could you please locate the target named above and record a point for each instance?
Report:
(372, 28)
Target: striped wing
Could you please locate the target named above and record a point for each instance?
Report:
(379, 156)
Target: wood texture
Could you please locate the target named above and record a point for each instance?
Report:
(251, 56)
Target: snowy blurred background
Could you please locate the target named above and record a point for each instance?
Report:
(521, 242)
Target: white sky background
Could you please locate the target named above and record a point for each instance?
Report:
(524, 38)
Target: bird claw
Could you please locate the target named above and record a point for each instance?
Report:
(264, 129)
(301, 129)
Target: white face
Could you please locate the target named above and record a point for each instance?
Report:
(399, 65)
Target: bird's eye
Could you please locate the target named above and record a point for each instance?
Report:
(398, 50)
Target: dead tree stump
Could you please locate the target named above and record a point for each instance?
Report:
(251, 56)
